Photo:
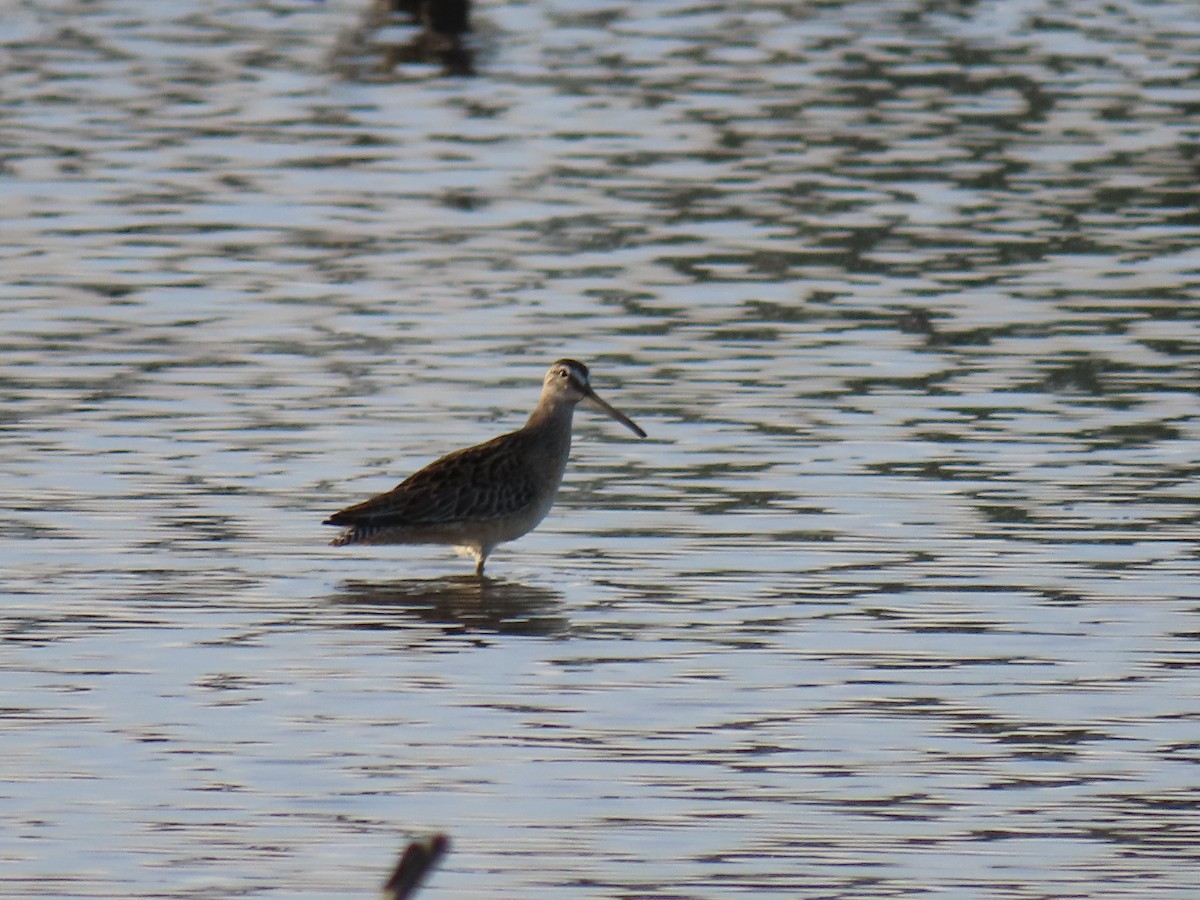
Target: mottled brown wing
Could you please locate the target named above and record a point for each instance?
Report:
(487, 481)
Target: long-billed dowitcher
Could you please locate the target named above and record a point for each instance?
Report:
(476, 498)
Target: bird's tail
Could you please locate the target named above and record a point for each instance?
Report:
(349, 537)
(354, 533)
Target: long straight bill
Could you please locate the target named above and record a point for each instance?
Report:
(613, 413)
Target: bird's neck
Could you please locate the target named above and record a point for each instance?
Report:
(551, 415)
(546, 441)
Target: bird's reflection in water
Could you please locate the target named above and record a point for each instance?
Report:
(460, 603)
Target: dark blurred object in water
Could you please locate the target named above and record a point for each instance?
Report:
(441, 38)
(416, 862)
(446, 16)
(440, 16)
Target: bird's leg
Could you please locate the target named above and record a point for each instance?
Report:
(481, 556)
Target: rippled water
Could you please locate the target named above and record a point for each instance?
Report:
(899, 597)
